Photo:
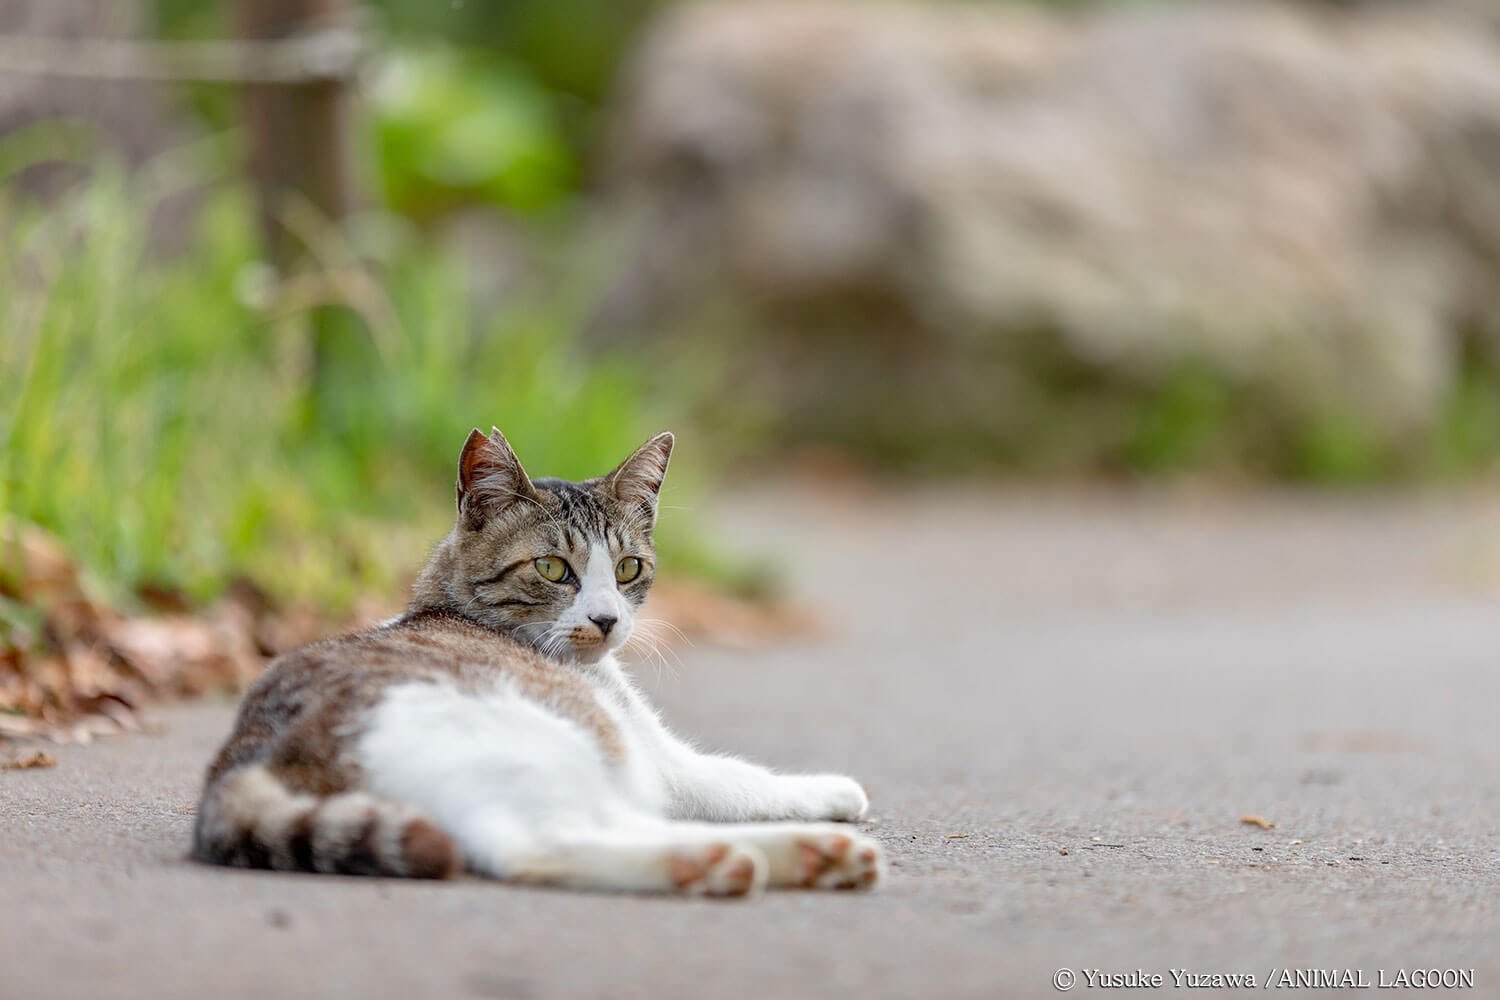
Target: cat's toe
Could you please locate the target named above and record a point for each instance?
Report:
(838, 861)
(719, 870)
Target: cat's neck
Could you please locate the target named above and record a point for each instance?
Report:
(607, 667)
(430, 590)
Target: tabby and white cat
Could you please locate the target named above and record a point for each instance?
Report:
(490, 726)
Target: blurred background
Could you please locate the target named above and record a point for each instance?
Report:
(264, 263)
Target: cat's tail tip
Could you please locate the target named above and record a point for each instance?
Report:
(249, 819)
(428, 852)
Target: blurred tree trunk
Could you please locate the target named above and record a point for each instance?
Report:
(300, 135)
(300, 153)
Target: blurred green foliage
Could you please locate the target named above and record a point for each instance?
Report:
(499, 105)
(452, 130)
(473, 102)
(163, 414)
(572, 47)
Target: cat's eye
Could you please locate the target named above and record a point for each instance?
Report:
(627, 569)
(551, 568)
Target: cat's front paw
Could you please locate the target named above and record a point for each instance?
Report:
(832, 797)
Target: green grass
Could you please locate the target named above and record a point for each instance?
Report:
(168, 417)
(179, 418)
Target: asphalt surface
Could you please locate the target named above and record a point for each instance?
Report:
(1062, 705)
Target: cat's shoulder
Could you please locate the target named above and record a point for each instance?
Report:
(425, 643)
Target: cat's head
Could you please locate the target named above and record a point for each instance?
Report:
(562, 566)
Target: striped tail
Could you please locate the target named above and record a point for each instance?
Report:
(249, 819)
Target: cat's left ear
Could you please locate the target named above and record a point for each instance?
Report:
(490, 477)
(638, 479)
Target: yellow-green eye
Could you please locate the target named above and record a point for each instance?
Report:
(552, 568)
(627, 569)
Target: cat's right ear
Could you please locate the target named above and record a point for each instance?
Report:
(490, 477)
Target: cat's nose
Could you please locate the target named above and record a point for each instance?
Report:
(605, 623)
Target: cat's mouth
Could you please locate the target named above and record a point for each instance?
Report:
(587, 643)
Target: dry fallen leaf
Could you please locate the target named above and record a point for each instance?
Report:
(20, 727)
(72, 668)
(1259, 821)
(37, 759)
(81, 670)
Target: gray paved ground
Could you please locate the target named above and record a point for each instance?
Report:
(1062, 706)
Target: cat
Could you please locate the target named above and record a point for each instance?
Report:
(490, 727)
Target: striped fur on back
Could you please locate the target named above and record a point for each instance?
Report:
(285, 791)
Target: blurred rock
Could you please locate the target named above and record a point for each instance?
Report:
(77, 123)
(1303, 199)
(131, 116)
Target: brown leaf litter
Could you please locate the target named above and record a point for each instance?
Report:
(29, 762)
(72, 668)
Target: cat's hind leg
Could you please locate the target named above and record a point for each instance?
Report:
(806, 855)
(528, 796)
(710, 859)
(632, 861)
